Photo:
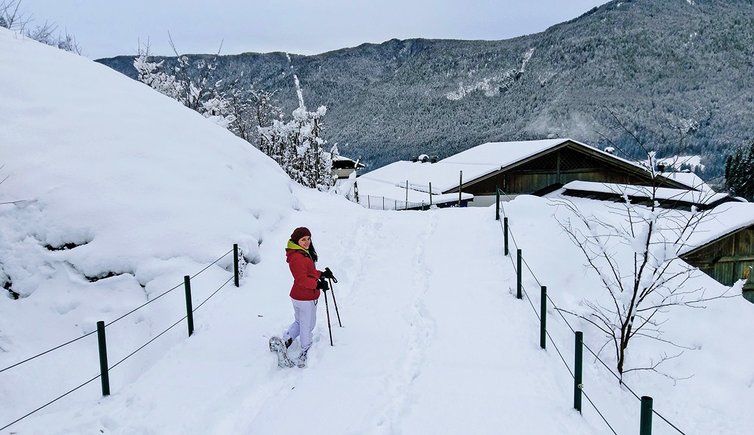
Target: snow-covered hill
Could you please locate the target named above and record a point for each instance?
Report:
(434, 340)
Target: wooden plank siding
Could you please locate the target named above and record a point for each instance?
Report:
(559, 166)
(726, 259)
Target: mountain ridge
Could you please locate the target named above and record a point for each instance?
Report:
(673, 71)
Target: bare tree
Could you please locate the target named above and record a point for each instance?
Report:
(634, 251)
(190, 83)
(12, 18)
(265, 112)
(197, 83)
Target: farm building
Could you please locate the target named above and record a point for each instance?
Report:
(343, 167)
(524, 167)
(723, 245)
(540, 166)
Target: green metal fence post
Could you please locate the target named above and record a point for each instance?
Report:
(577, 376)
(645, 427)
(505, 232)
(497, 203)
(103, 369)
(236, 272)
(543, 318)
(430, 194)
(189, 310)
(519, 284)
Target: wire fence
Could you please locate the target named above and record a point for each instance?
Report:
(382, 203)
(507, 226)
(139, 348)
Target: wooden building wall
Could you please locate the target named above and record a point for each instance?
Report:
(727, 259)
(558, 167)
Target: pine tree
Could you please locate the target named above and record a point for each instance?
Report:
(739, 172)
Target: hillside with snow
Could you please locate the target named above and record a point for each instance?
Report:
(670, 71)
(114, 193)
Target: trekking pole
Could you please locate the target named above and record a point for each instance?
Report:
(327, 310)
(335, 302)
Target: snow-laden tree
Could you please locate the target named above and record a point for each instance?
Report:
(189, 83)
(633, 249)
(297, 145)
(265, 112)
(151, 74)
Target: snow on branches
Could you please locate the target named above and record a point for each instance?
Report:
(191, 85)
(298, 146)
(634, 251)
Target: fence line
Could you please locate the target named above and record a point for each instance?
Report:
(111, 322)
(559, 311)
(557, 349)
(234, 276)
(373, 202)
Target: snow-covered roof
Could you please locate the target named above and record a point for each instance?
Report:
(674, 163)
(723, 220)
(443, 175)
(662, 193)
(343, 159)
(505, 154)
(502, 154)
(689, 179)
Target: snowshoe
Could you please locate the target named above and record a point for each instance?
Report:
(301, 360)
(277, 346)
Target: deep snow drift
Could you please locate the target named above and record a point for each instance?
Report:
(433, 341)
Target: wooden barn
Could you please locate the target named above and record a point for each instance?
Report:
(526, 167)
(724, 246)
(541, 166)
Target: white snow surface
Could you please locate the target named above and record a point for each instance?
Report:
(689, 179)
(433, 338)
(443, 175)
(372, 192)
(660, 193)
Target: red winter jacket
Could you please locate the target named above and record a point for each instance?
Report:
(305, 275)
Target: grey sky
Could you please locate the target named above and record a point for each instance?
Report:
(106, 28)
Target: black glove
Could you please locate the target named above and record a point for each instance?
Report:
(323, 285)
(328, 274)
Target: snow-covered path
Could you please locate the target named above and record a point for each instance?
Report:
(428, 344)
(433, 342)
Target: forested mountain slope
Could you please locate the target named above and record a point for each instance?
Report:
(680, 73)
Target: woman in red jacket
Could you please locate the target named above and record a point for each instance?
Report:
(305, 291)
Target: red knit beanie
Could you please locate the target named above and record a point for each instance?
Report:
(300, 232)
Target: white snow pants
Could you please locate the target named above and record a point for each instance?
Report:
(305, 315)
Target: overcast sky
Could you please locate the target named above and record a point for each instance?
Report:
(106, 28)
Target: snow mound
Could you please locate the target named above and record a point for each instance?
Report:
(122, 175)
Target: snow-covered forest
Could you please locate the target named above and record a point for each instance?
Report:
(672, 70)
